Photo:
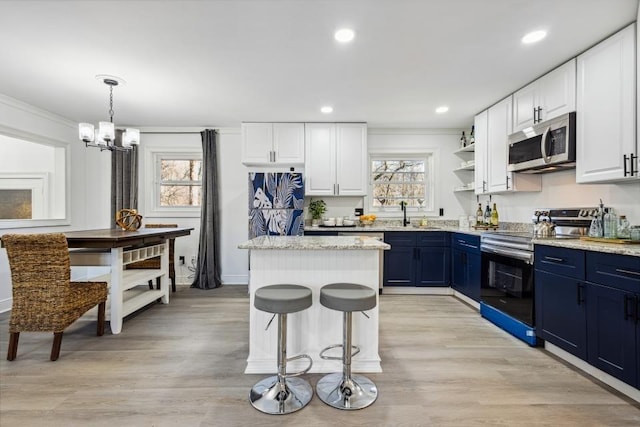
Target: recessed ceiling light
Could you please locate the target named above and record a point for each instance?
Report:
(327, 110)
(442, 109)
(534, 36)
(344, 35)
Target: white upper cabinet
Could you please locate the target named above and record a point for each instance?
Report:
(336, 159)
(481, 128)
(550, 96)
(273, 143)
(497, 147)
(606, 147)
(492, 153)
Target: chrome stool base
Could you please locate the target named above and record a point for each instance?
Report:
(272, 397)
(356, 392)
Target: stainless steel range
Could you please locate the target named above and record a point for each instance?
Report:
(507, 288)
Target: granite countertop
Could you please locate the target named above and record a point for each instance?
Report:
(315, 243)
(586, 245)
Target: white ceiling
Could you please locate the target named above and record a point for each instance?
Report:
(217, 63)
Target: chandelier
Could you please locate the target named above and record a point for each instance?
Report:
(108, 135)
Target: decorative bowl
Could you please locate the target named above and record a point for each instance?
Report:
(348, 222)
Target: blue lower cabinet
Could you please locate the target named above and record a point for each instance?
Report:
(613, 334)
(417, 259)
(399, 266)
(400, 260)
(561, 314)
(433, 266)
(465, 265)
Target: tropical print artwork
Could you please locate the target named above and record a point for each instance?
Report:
(276, 202)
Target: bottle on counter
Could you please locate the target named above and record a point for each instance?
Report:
(487, 215)
(610, 224)
(624, 231)
(463, 140)
(479, 215)
(494, 216)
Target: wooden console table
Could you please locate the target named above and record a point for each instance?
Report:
(128, 289)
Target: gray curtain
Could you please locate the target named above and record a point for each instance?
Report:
(208, 267)
(124, 181)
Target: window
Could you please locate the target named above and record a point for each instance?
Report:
(177, 189)
(401, 178)
(180, 182)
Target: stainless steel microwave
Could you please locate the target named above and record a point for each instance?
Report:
(544, 147)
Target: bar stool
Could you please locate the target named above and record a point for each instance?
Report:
(282, 393)
(344, 390)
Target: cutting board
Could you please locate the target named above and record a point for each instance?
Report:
(603, 240)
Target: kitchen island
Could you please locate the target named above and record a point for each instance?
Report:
(313, 261)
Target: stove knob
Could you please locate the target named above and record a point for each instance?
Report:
(583, 213)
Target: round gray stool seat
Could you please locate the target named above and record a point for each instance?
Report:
(347, 297)
(282, 298)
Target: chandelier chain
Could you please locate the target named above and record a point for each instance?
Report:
(111, 102)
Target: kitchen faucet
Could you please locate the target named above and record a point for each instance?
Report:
(405, 221)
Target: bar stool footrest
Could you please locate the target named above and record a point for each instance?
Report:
(304, 371)
(354, 350)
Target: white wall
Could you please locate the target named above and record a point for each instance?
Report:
(559, 190)
(89, 172)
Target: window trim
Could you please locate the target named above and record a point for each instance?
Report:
(154, 158)
(430, 157)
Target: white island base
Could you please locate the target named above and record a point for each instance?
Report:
(311, 330)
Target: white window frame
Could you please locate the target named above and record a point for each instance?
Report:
(430, 159)
(155, 158)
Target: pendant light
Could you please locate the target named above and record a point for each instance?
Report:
(107, 134)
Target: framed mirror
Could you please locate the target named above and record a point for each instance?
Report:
(34, 181)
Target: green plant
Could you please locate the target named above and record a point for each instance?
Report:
(317, 208)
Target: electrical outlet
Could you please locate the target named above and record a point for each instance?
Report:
(181, 259)
(193, 259)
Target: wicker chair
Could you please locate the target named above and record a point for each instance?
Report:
(155, 262)
(44, 298)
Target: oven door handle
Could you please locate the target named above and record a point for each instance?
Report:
(511, 253)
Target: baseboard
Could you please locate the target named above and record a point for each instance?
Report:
(415, 290)
(469, 301)
(235, 279)
(609, 380)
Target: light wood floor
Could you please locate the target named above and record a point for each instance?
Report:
(182, 365)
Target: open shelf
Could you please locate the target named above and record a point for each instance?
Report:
(468, 148)
(468, 167)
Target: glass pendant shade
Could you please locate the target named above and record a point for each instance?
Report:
(106, 133)
(86, 131)
(130, 137)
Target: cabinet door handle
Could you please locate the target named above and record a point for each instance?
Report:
(337, 189)
(535, 110)
(580, 298)
(627, 314)
(554, 259)
(484, 186)
(631, 158)
(507, 182)
(624, 162)
(622, 270)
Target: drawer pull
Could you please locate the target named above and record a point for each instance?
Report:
(579, 288)
(552, 258)
(621, 270)
(627, 314)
